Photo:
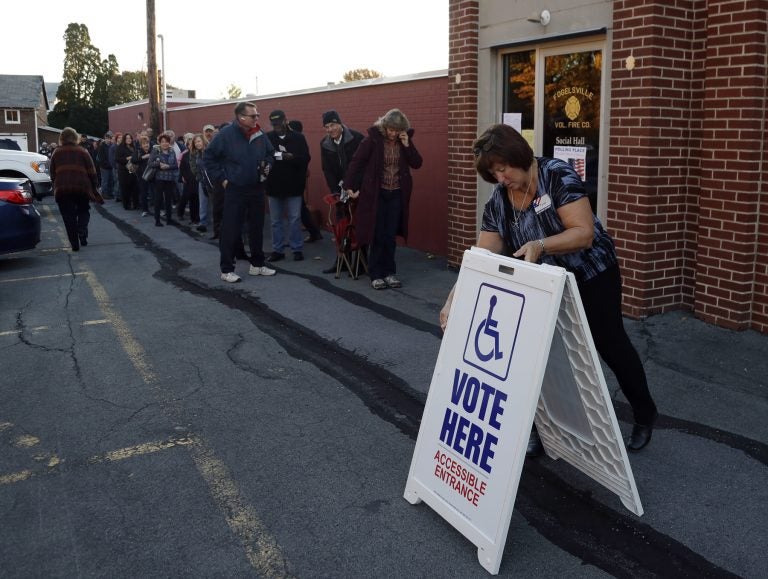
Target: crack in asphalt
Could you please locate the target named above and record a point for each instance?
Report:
(569, 518)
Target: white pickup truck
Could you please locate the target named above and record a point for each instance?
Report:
(33, 166)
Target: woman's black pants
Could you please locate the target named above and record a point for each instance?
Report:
(601, 297)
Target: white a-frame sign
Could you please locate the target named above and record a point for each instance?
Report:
(517, 346)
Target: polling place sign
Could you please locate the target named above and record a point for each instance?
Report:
(486, 390)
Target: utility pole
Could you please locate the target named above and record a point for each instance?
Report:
(154, 109)
(163, 84)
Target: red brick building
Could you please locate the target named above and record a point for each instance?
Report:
(679, 150)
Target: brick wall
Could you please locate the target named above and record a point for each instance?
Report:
(686, 147)
(732, 256)
(462, 114)
(423, 100)
(653, 184)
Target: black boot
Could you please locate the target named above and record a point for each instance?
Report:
(641, 435)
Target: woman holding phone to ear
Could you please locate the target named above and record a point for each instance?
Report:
(379, 178)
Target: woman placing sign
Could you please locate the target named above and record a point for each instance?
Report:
(539, 212)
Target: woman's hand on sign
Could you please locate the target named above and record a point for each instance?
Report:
(446, 311)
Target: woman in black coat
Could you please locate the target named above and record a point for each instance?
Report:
(189, 193)
(129, 186)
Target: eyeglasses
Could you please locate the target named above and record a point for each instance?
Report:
(253, 116)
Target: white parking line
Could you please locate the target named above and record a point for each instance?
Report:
(39, 277)
(261, 549)
(37, 329)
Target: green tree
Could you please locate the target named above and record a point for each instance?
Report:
(361, 74)
(102, 97)
(128, 86)
(84, 90)
(82, 64)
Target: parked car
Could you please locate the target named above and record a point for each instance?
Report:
(32, 166)
(19, 218)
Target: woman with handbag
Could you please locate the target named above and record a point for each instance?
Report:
(126, 176)
(163, 160)
(74, 186)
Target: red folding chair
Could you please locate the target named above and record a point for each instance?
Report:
(349, 254)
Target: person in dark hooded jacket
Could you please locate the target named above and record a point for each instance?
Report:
(336, 151)
(379, 177)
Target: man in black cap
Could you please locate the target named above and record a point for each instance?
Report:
(336, 151)
(285, 187)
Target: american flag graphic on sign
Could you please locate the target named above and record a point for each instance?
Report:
(579, 165)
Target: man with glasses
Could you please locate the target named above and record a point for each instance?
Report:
(239, 160)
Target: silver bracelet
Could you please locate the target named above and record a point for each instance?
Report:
(541, 245)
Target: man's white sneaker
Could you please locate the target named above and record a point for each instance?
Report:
(263, 270)
(230, 277)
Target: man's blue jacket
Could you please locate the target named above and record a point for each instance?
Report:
(231, 156)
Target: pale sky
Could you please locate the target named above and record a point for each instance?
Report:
(263, 47)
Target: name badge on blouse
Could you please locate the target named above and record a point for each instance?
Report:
(542, 203)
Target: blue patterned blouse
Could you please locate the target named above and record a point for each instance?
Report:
(558, 185)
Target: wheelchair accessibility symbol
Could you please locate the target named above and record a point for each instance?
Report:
(487, 328)
(493, 331)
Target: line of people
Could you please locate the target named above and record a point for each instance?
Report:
(227, 175)
(368, 177)
(123, 160)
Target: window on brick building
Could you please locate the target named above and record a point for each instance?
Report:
(12, 117)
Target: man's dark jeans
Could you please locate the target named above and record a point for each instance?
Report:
(242, 204)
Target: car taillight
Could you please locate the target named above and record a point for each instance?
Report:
(16, 196)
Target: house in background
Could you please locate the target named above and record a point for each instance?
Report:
(23, 109)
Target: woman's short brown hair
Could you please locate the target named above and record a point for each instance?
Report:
(68, 136)
(501, 144)
(393, 119)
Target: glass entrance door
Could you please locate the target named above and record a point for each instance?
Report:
(571, 113)
(555, 94)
